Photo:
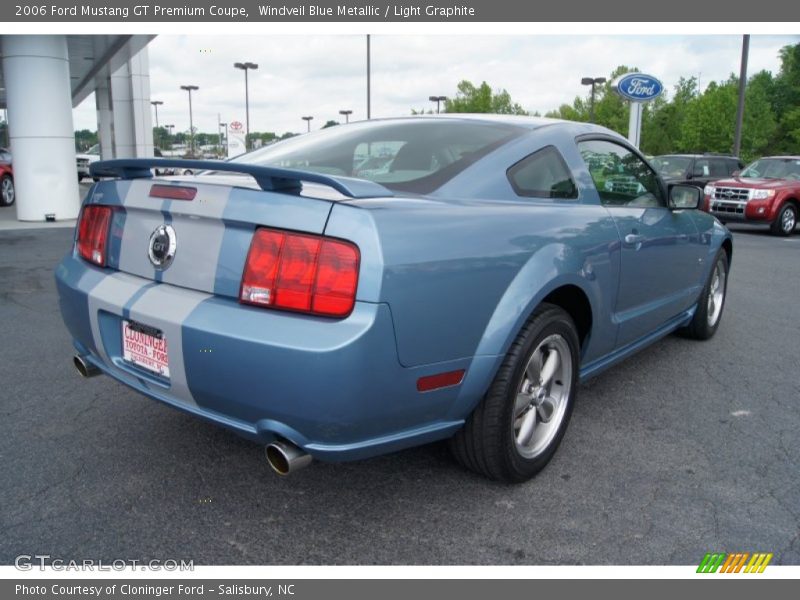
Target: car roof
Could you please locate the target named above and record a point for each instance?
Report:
(707, 155)
(523, 121)
(783, 157)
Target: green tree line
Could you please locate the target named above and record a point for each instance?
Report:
(686, 120)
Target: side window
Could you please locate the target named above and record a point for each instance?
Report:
(620, 176)
(719, 167)
(702, 168)
(543, 174)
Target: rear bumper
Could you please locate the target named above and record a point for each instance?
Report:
(334, 388)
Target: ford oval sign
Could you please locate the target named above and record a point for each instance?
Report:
(638, 87)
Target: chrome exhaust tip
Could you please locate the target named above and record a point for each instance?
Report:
(84, 367)
(284, 457)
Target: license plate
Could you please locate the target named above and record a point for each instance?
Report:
(145, 347)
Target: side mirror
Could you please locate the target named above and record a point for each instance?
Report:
(684, 197)
(736, 173)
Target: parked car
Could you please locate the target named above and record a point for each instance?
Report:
(767, 192)
(463, 294)
(7, 191)
(84, 161)
(696, 169)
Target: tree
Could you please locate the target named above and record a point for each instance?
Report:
(662, 120)
(786, 101)
(85, 139)
(481, 99)
(710, 121)
(330, 124)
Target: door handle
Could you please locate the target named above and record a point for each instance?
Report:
(633, 239)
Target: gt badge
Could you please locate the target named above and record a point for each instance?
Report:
(163, 243)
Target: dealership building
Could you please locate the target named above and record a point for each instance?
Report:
(42, 78)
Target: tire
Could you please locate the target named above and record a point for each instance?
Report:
(786, 220)
(706, 318)
(492, 442)
(7, 191)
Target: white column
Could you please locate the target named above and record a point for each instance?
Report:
(122, 114)
(38, 93)
(130, 101)
(102, 95)
(139, 67)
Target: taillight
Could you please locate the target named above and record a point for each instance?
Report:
(93, 233)
(301, 272)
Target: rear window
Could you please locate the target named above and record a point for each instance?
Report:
(414, 155)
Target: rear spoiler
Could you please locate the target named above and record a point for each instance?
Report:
(273, 179)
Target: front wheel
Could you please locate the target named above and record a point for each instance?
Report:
(7, 192)
(517, 427)
(785, 221)
(707, 316)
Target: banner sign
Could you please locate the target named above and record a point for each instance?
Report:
(360, 10)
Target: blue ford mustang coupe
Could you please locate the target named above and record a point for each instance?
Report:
(384, 284)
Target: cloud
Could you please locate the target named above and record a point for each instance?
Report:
(320, 75)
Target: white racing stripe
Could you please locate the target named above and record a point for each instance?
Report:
(110, 294)
(198, 228)
(167, 307)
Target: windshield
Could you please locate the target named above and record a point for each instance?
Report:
(671, 167)
(773, 168)
(415, 155)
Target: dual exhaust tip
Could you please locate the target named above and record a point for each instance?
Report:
(283, 456)
(84, 367)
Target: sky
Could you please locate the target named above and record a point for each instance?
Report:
(320, 75)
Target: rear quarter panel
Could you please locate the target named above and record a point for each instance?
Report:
(461, 274)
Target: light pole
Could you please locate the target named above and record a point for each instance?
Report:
(246, 66)
(737, 135)
(592, 81)
(190, 89)
(156, 104)
(169, 129)
(369, 80)
(223, 137)
(308, 122)
(346, 114)
(437, 99)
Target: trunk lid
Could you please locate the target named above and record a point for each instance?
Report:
(211, 233)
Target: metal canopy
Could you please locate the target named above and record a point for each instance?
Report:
(92, 58)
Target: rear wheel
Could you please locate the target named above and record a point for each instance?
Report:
(707, 316)
(515, 430)
(786, 220)
(7, 191)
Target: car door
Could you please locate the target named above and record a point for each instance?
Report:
(660, 248)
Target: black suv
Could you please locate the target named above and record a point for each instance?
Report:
(696, 169)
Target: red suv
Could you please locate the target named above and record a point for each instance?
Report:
(766, 192)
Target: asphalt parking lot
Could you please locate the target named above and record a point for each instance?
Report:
(686, 448)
